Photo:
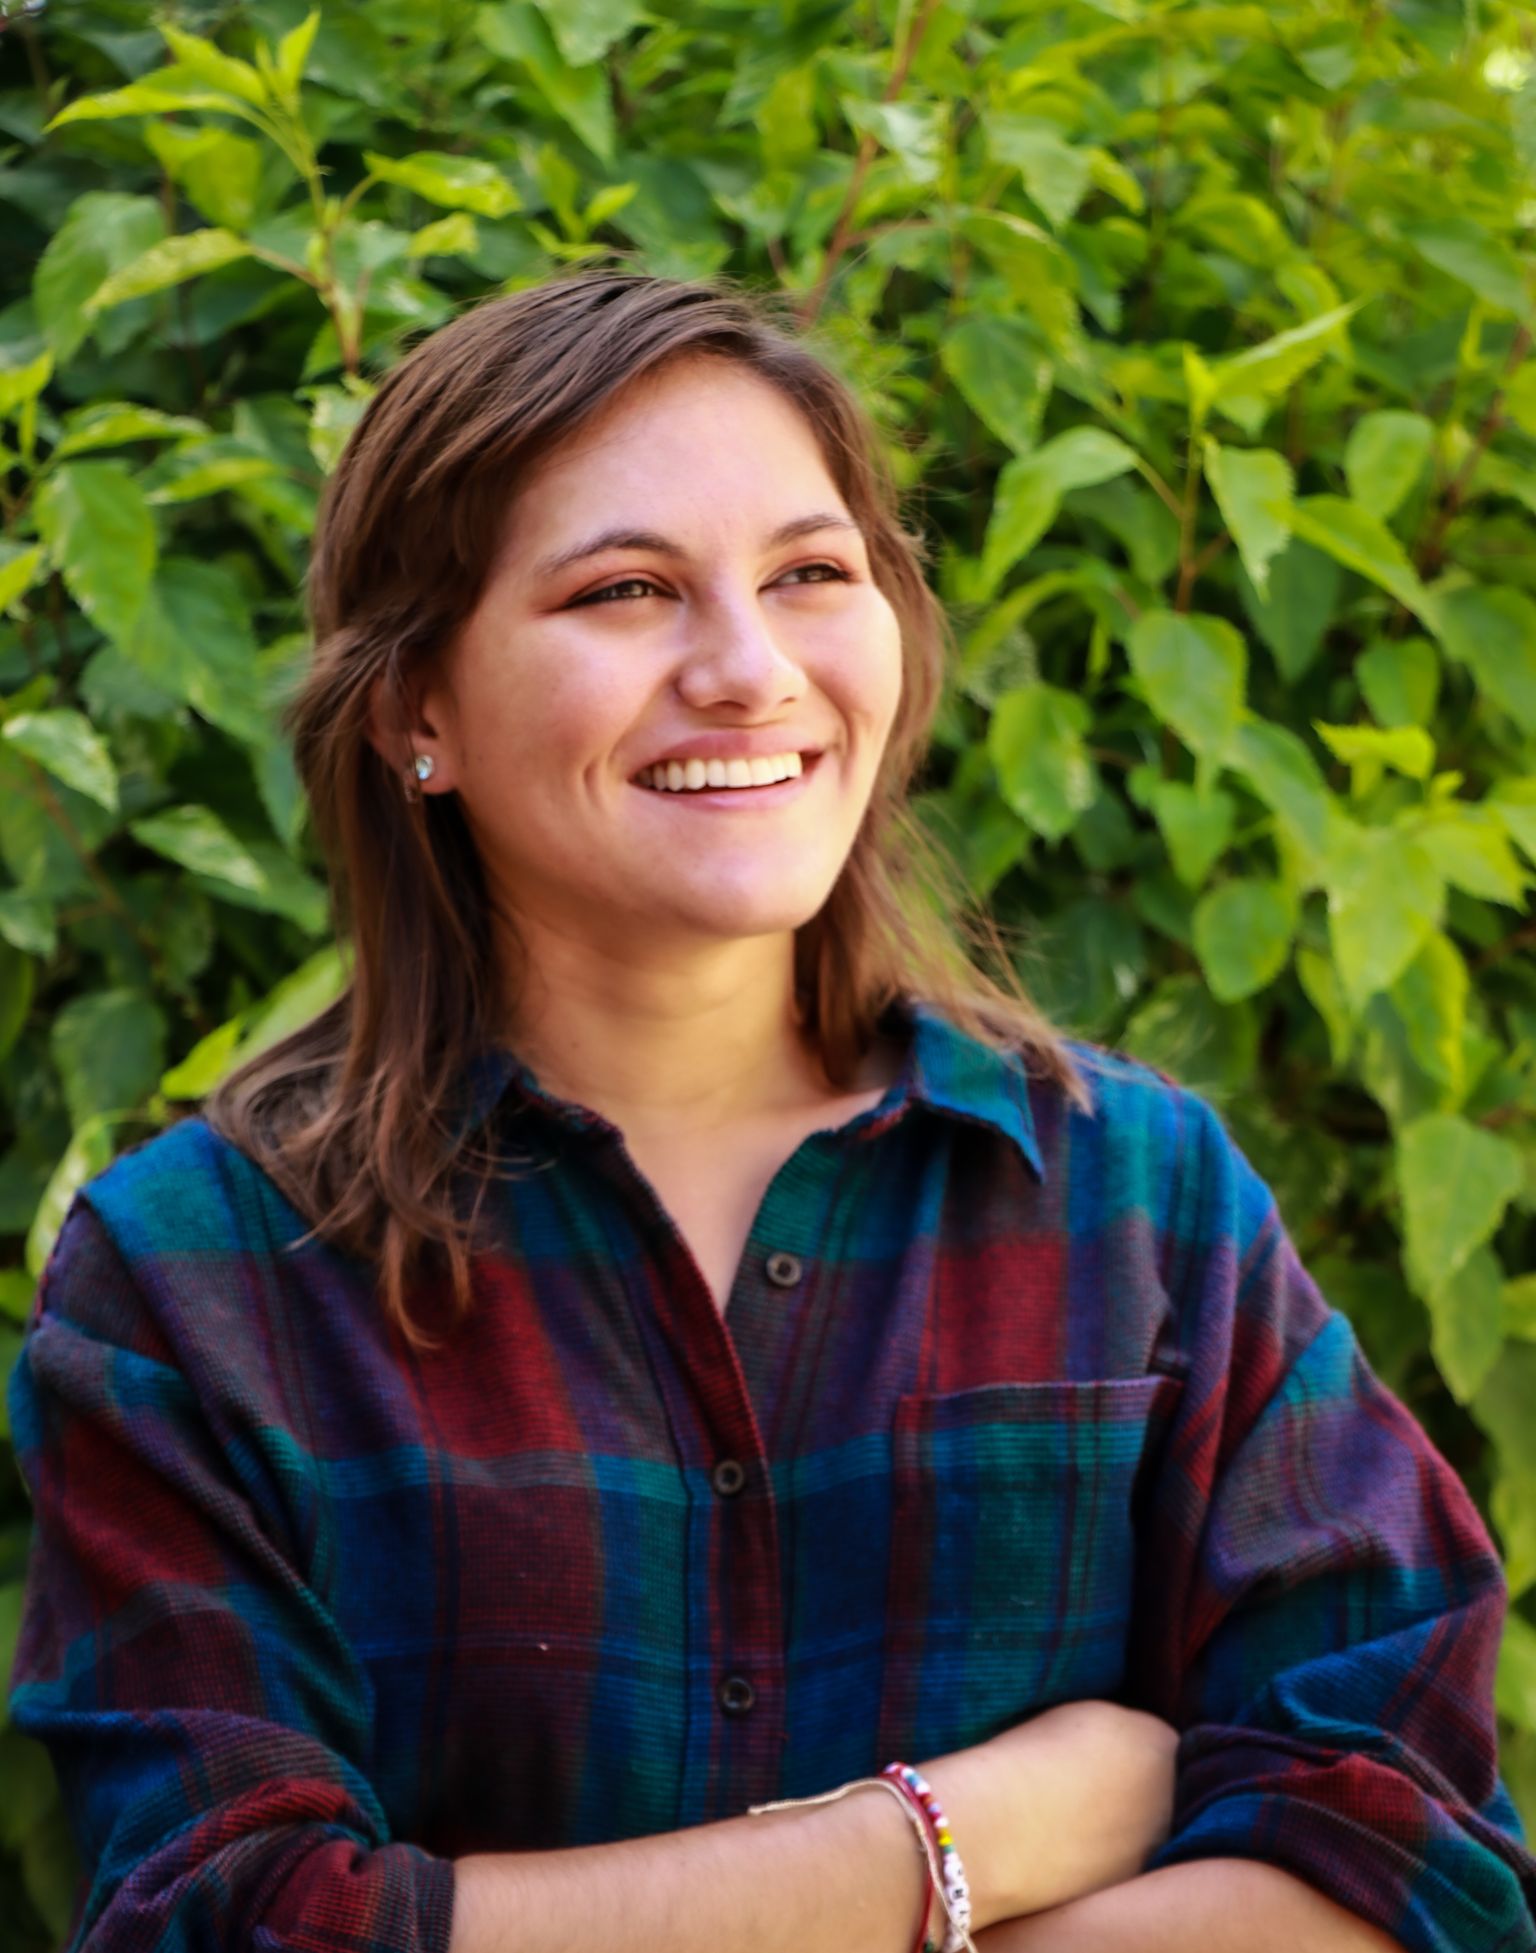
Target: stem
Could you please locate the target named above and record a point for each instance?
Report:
(811, 305)
(1189, 566)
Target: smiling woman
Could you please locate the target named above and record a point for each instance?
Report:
(679, 1340)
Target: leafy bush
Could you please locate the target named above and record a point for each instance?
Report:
(1200, 335)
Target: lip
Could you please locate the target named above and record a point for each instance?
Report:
(741, 800)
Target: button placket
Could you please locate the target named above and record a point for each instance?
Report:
(783, 1270)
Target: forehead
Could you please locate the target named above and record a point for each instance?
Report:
(697, 429)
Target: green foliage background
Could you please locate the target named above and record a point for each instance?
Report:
(1200, 338)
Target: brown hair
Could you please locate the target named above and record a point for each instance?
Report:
(353, 1115)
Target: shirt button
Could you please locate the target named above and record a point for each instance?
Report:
(737, 1695)
(728, 1477)
(783, 1270)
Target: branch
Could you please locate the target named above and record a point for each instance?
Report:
(1433, 552)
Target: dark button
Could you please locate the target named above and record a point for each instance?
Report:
(737, 1695)
(783, 1270)
(728, 1478)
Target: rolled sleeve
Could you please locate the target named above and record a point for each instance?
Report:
(208, 1723)
(1324, 1603)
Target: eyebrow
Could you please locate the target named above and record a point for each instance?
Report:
(800, 525)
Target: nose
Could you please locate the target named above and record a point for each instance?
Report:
(734, 656)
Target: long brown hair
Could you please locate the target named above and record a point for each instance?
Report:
(354, 1114)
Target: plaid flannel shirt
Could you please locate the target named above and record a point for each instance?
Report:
(1012, 1405)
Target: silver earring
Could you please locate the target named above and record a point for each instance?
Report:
(425, 766)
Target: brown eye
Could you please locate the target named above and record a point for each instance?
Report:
(625, 583)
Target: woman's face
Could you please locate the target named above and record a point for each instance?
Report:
(682, 578)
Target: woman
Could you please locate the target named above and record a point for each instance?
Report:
(674, 1338)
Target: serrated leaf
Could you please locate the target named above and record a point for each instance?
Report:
(1056, 172)
(1253, 489)
(1466, 252)
(1193, 673)
(456, 182)
(1492, 630)
(109, 1048)
(102, 536)
(103, 231)
(88, 1153)
(1036, 743)
(1370, 749)
(22, 383)
(1384, 897)
(171, 262)
(1471, 850)
(1293, 614)
(1384, 457)
(218, 70)
(1269, 369)
(166, 92)
(65, 744)
(1005, 378)
(1400, 678)
(18, 572)
(586, 33)
(1196, 827)
(1242, 933)
(1430, 998)
(1030, 488)
(448, 237)
(1363, 542)
(1456, 1181)
(1466, 1325)
(294, 48)
(111, 424)
(197, 839)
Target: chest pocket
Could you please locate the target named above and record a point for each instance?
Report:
(1012, 1553)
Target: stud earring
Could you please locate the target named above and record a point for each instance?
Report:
(422, 767)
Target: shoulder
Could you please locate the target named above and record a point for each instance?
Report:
(187, 1188)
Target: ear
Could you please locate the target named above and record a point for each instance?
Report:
(399, 730)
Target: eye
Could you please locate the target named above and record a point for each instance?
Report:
(639, 583)
(834, 574)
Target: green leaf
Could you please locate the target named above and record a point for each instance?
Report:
(1470, 848)
(64, 744)
(1030, 488)
(294, 48)
(1514, 1689)
(102, 535)
(586, 33)
(1384, 897)
(1193, 672)
(18, 572)
(195, 642)
(171, 262)
(578, 93)
(27, 922)
(1294, 613)
(1493, 632)
(1195, 826)
(1242, 934)
(112, 423)
(220, 71)
(1271, 368)
(912, 131)
(1384, 457)
(103, 231)
(1463, 250)
(1456, 1181)
(1056, 173)
(1369, 749)
(1466, 1325)
(1514, 803)
(109, 1047)
(23, 383)
(1253, 489)
(196, 838)
(1400, 678)
(217, 171)
(168, 91)
(88, 1153)
(447, 237)
(1036, 742)
(456, 182)
(1512, 1505)
(1430, 998)
(1004, 377)
(17, 982)
(1362, 542)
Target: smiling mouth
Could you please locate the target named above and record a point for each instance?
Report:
(693, 782)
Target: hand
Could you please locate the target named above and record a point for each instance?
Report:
(1073, 1800)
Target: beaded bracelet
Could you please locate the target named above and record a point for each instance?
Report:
(945, 1871)
(916, 1817)
(957, 1891)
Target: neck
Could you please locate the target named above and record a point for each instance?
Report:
(708, 1041)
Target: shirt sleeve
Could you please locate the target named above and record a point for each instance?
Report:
(208, 1723)
(1320, 1604)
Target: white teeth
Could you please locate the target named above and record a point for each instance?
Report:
(682, 776)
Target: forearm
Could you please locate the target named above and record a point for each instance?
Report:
(1221, 1905)
(819, 1881)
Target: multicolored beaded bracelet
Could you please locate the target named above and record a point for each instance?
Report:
(957, 1891)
